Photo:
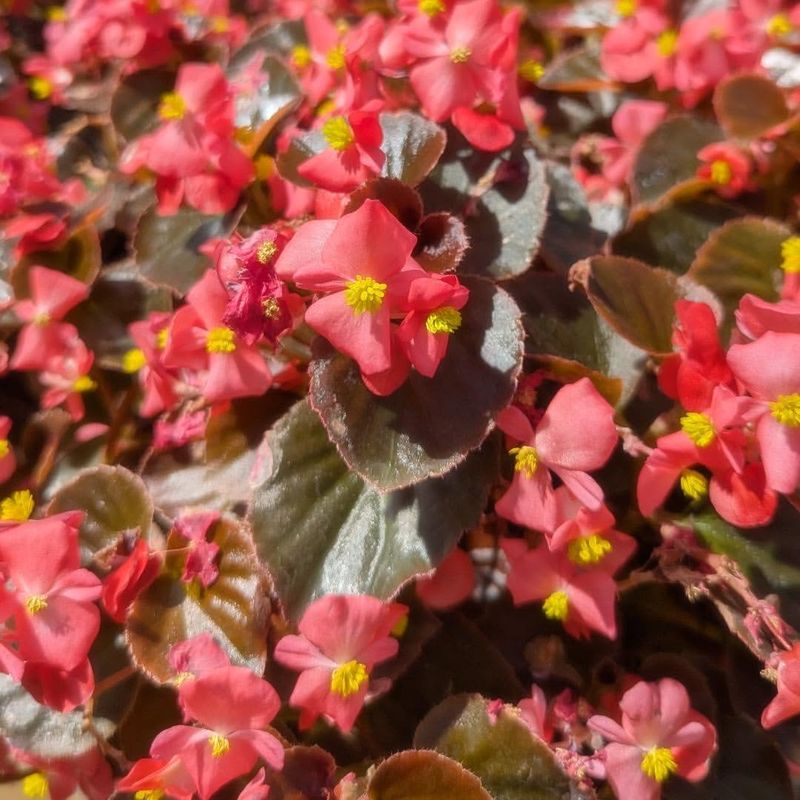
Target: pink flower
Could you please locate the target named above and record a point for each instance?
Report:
(342, 638)
(61, 778)
(451, 583)
(232, 706)
(122, 586)
(8, 461)
(196, 656)
(770, 371)
(158, 775)
(362, 262)
(147, 360)
(53, 295)
(66, 375)
(786, 703)
(575, 435)
(660, 735)
(224, 365)
(533, 712)
(726, 167)
(581, 599)
(200, 561)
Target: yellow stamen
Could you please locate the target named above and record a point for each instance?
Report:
(348, 678)
(694, 484)
(335, 57)
(17, 507)
(220, 340)
(220, 24)
(779, 25)
(149, 794)
(161, 338)
(556, 606)
(41, 88)
(443, 320)
(133, 360)
(266, 250)
(56, 14)
(182, 677)
(400, 627)
(36, 603)
(172, 106)
(786, 409)
(338, 133)
(721, 172)
(587, 550)
(667, 43)
(5, 447)
(41, 318)
(460, 55)
(364, 294)
(531, 70)
(219, 745)
(36, 785)
(790, 253)
(301, 56)
(699, 428)
(431, 7)
(626, 8)
(659, 764)
(272, 309)
(526, 460)
(83, 384)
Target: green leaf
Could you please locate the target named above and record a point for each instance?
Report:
(114, 501)
(167, 247)
(502, 198)
(635, 299)
(412, 144)
(423, 775)
(134, 104)
(667, 160)
(749, 105)
(345, 536)
(510, 761)
(234, 609)
(428, 425)
(743, 256)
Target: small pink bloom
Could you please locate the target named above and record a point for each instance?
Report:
(197, 656)
(786, 703)
(154, 775)
(726, 167)
(533, 712)
(158, 383)
(342, 638)
(200, 562)
(66, 374)
(122, 586)
(188, 427)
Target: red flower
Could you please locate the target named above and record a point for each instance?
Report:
(122, 586)
(726, 167)
(786, 703)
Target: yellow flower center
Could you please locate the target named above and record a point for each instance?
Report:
(526, 460)
(694, 484)
(587, 550)
(431, 7)
(364, 294)
(220, 340)
(667, 43)
(790, 253)
(56, 14)
(17, 507)
(556, 606)
(779, 25)
(133, 360)
(531, 70)
(786, 409)
(161, 338)
(338, 133)
(443, 320)
(699, 428)
(219, 745)
(40, 87)
(721, 172)
(460, 55)
(42, 318)
(4, 448)
(83, 384)
(400, 627)
(271, 308)
(36, 785)
(266, 250)
(348, 678)
(149, 794)
(172, 106)
(220, 24)
(36, 603)
(182, 677)
(659, 764)
(301, 56)
(626, 8)
(335, 57)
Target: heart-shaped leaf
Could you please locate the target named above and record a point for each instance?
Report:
(429, 424)
(346, 537)
(749, 105)
(412, 144)
(233, 609)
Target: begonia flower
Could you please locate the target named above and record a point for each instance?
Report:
(451, 584)
(660, 735)
(533, 712)
(786, 703)
(154, 777)
(66, 376)
(200, 563)
(62, 778)
(342, 638)
(726, 167)
(125, 583)
(195, 657)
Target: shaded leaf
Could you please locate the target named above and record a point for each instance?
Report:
(749, 105)
(423, 775)
(114, 501)
(637, 300)
(510, 761)
(346, 537)
(402, 200)
(428, 425)
(309, 773)
(300, 149)
(502, 198)
(79, 257)
(233, 609)
(442, 242)
(134, 104)
(667, 160)
(153, 709)
(576, 70)
(167, 248)
(412, 144)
